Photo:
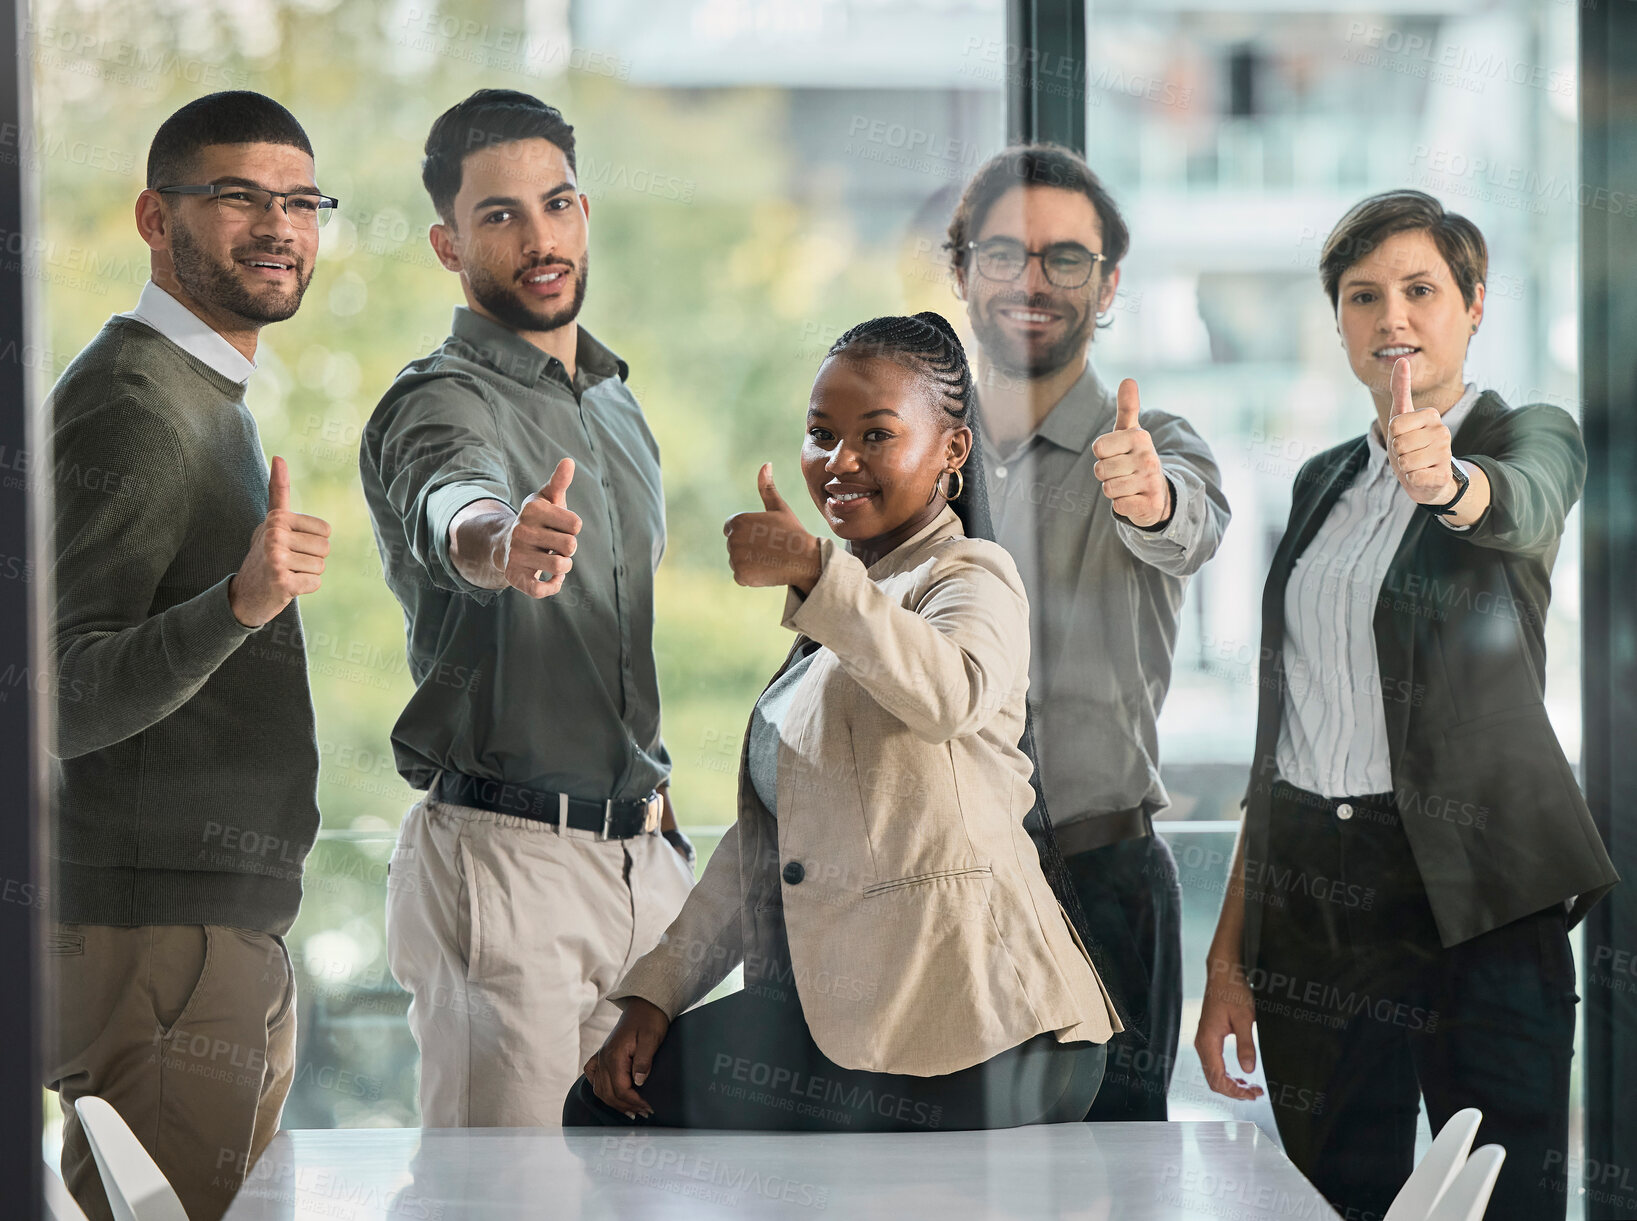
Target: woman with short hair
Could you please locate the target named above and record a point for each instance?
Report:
(1415, 847)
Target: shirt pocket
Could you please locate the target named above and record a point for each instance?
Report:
(925, 879)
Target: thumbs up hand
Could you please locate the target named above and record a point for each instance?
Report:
(286, 556)
(772, 547)
(542, 539)
(1418, 444)
(1128, 466)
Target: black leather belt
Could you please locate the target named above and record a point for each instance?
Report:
(609, 819)
(1101, 830)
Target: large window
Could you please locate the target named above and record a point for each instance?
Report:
(763, 175)
(1234, 141)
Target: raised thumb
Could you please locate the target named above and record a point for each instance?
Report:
(556, 489)
(278, 486)
(771, 500)
(1125, 411)
(1401, 386)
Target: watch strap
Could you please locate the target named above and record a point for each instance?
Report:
(1462, 482)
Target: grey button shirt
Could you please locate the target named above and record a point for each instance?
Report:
(1104, 596)
(559, 693)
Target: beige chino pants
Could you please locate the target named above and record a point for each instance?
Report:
(509, 936)
(189, 1032)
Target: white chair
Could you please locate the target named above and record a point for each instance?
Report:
(1431, 1179)
(137, 1189)
(1468, 1195)
(59, 1205)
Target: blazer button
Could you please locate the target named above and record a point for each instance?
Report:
(793, 872)
(1344, 811)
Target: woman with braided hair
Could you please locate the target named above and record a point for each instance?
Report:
(908, 965)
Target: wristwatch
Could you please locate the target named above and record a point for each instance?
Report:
(1447, 509)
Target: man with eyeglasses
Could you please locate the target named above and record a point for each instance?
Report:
(186, 794)
(1107, 510)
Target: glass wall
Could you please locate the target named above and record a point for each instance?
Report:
(763, 175)
(1234, 140)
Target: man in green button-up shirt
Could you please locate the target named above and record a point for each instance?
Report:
(515, 492)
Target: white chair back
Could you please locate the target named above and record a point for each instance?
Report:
(137, 1189)
(1428, 1182)
(1468, 1195)
(59, 1205)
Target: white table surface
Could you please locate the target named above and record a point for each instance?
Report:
(1090, 1172)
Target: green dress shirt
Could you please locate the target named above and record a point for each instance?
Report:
(559, 693)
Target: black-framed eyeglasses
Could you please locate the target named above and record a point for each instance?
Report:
(305, 209)
(1066, 264)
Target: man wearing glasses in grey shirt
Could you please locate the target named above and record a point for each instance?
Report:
(515, 492)
(1107, 513)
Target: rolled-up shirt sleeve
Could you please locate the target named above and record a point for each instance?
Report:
(437, 451)
(1200, 515)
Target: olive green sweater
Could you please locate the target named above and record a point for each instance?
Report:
(187, 761)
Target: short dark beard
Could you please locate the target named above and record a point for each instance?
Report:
(996, 344)
(219, 286)
(506, 305)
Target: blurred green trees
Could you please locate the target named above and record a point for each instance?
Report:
(720, 293)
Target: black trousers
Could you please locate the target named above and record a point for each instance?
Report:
(1133, 905)
(1361, 1011)
(747, 1061)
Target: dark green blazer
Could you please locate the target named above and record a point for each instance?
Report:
(1493, 813)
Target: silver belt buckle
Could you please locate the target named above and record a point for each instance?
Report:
(654, 814)
(608, 818)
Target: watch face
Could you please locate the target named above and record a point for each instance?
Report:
(1447, 509)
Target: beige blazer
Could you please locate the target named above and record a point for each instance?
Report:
(923, 936)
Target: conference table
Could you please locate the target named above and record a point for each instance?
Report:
(1089, 1172)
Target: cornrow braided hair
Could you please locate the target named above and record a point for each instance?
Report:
(925, 343)
(928, 344)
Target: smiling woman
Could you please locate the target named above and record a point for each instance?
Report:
(1396, 555)
(880, 843)
(885, 433)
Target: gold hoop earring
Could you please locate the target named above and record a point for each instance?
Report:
(960, 484)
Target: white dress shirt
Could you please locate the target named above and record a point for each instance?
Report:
(176, 322)
(1333, 734)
